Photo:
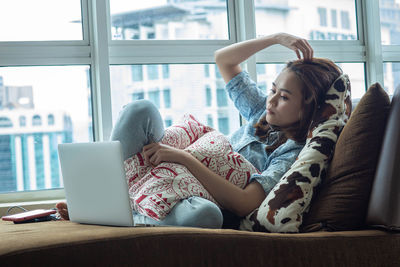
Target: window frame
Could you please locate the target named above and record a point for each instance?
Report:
(99, 51)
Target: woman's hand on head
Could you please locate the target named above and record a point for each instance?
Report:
(297, 44)
(155, 153)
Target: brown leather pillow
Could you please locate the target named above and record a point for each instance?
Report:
(341, 200)
(384, 203)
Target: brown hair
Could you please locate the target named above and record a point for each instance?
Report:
(317, 76)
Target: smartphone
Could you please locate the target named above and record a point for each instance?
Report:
(29, 216)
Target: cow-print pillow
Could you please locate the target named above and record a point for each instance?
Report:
(283, 208)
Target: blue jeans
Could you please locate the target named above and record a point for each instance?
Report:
(139, 124)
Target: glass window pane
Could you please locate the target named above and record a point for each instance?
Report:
(40, 107)
(222, 98)
(137, 96)
(137, 73)
(40, 20)
(392, 76)
(165, 69)
(152, 72)
(167, 122)
(223, 125)
(208, 96)
(189, 91)
(169, 20)
(322, 16)
(313, 20)
(390, 21)
(154, 96)
(210, 121)
(167, 98)
(354, 70)
(344, 16)
(333, 18)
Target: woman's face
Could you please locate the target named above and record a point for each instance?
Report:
(284, 100)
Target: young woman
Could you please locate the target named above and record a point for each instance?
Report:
(271, 140)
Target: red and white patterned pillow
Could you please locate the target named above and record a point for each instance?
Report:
(155, 191)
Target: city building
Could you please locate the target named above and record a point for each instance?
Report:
(28, 142)
(199, 88)
(390, 32)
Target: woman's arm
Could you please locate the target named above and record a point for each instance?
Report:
(229, 58)
(229, 196)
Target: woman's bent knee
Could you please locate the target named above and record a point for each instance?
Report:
(138, 124)
(141, 108)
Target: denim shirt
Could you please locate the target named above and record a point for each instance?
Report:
(251, 103)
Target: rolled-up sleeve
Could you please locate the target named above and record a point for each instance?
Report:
(246, 96)
(277, 167)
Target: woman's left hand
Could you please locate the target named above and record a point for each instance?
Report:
(156, 153)
(297, 44)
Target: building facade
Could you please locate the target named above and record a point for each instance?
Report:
(199, 88)
(28, 141)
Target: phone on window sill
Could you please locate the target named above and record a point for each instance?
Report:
(38, 215)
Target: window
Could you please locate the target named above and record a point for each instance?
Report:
(206, 70)
(356, 72)
(165, 69)
(152, 72)
(334, 18)
(186, 91)
(322, 17)
(36, 120)
(137, 96)
(260, 69)
(223, 125)
(50, 119)
(154, 96)
(304, 18)
(266, 75)
(169, 20)
(31, 140)
(217, 73)
(22, 121)
(389, 12)
(391, 76)
(143, 48)
(5, 122)
(390, 22)
(167, 98)
(210, 120)
(46, 20)
(208, 96)
(167, 122)
(222, 99)
(344, 15)
(137, 73)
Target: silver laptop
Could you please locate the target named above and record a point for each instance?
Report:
(95, 186)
